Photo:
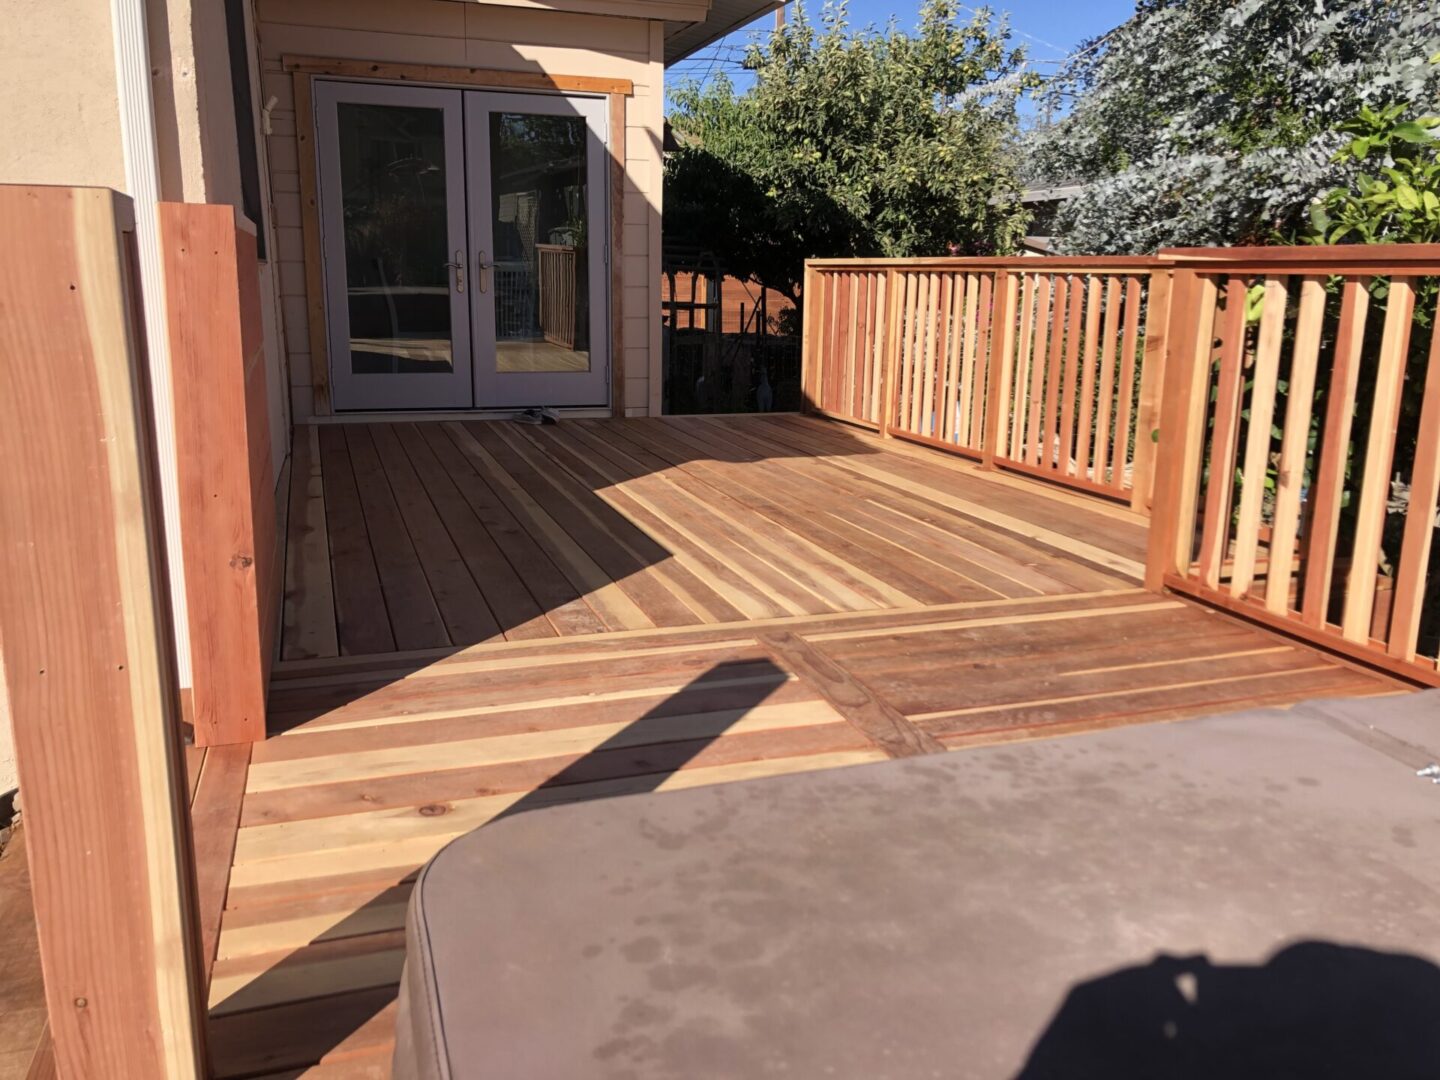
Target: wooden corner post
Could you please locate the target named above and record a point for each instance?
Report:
(1002, 362)
(809, 339)
(1180, 445)
(89, 664)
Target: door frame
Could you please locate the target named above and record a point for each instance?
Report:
(304, 70)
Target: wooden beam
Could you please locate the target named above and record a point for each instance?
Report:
(89, 646)
(456, 76)
(222, 432)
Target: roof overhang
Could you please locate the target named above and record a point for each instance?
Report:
(683, 39)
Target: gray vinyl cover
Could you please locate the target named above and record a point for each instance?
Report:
(1235, 896)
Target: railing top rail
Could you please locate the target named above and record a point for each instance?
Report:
(1326, 254)
(1036, 263)
(1366, 259)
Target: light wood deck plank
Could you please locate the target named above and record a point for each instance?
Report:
(683, 602)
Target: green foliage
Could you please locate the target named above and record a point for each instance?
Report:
(852, 142)
(1395, 204)
(1217, 121)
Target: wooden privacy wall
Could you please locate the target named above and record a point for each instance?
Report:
(89, 646)
(1301, 447)
(1046, 366)
(227, 477)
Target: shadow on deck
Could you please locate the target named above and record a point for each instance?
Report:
(482, 618)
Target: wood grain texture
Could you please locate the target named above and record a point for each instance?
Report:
(91, 686)
(222, 435)
(796, 545)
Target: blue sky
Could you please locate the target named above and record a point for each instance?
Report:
(1050, 29)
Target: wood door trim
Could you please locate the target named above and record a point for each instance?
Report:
(487, 78)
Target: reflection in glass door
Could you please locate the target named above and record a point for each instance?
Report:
(535, 171)
(392, 199)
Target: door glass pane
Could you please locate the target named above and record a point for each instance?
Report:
(392, 182)
(541, 269)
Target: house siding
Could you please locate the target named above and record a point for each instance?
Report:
(472, 35)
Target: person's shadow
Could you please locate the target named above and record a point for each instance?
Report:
(1315, 1009)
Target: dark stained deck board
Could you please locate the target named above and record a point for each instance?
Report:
(360, 619)
(781, 537)
(516, 611)
(462, 607)
(414, 616)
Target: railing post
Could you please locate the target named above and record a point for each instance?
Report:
(1158, 310)
(890, 371)
(809, 339)
(89, 646)
(1002, 349)
(1182, 428)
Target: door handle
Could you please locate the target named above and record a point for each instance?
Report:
(481, 267)
(459, 267)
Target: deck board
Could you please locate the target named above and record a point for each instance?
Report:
(674, 602)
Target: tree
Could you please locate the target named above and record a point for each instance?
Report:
(1217, 122)
(852, 143)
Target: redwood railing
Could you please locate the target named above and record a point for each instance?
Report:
(557, 272)
(1301, 445)
(1044, 366)
(1275, 410)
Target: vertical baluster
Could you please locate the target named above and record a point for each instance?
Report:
(879, 306)
(1015, 402)
(1215, 536)
(1295, 444)
(1124, 415)
(1050, 428)
(1108, 362)
(1329, 488)
(979, 366)
(1379, 456)
(1087, 380)
(968, 401)
(942, 354)
(1031, 450)
(1411, 580)
(1265, 377)
(1070, 385)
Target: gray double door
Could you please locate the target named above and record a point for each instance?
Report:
(465, 245)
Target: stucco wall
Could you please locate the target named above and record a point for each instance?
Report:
(57, 81)
(475, 35)
(61, 126)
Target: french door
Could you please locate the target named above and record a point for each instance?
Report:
(457, 232)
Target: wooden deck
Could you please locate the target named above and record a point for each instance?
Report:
(483, 618)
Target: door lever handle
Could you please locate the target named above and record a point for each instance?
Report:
(459, 267)
(481, 266)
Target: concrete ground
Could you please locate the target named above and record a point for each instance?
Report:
(1254, 895)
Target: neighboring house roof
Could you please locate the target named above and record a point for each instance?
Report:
(1052, 193)
(682, 39)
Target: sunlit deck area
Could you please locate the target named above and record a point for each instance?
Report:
(485, 617)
